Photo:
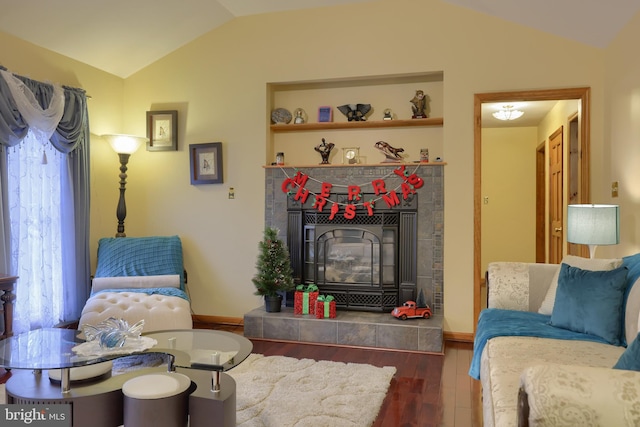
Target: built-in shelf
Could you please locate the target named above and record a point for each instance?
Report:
(430, 121)
(356, 165)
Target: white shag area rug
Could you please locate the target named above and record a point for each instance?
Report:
(279, 391)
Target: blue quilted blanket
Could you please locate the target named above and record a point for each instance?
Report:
(494, 322)
(140, 256)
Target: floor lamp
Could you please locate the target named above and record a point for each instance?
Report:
(593, 225)
(125, 146)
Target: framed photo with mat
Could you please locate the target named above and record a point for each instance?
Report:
(206, 163)
(162, 130)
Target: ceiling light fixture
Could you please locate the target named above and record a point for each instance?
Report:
(507, 112)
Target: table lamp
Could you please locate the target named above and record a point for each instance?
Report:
(593, 225)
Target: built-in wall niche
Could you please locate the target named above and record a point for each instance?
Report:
(382, 92)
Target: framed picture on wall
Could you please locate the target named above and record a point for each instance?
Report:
(206, 163)
(162, 130)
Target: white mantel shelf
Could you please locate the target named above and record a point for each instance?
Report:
(356, 165)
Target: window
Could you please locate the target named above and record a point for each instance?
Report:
(35, 198)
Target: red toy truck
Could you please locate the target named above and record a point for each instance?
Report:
(408, 310)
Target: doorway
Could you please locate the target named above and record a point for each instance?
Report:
(556, 199)
(541, 203)
(580, 94)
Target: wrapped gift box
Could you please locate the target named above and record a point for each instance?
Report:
(325, 307)
(305, 297)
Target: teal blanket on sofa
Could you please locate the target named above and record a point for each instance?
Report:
(494, 322)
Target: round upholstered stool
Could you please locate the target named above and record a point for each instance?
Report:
(157, 400)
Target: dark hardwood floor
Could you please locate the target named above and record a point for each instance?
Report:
(427, 390)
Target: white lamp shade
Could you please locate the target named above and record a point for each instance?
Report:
(593, 224)
(125, 144)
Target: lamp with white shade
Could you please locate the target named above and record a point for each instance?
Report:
(593, 225)
(125, 146)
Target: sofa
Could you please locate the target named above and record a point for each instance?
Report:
(558, 344)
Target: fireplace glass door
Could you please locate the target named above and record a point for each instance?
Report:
(351, 257)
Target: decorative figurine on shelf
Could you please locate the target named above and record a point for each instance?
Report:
(409, 310)
(419, 102)
(355, 112)
(388, 115)
(300, 116)
(280, 116)
(392, 155)
(324, 149)
(424, 155)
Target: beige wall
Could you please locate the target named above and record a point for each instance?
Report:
(218, 85)
(509, 186)
(620, 156)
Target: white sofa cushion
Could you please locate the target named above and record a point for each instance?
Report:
(595, 264)
(563, 395)
(504, 359)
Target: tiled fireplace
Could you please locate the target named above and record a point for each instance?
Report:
(376, 242)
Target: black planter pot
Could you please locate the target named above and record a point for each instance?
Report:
(273, 304)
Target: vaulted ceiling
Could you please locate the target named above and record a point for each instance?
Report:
(123, 36)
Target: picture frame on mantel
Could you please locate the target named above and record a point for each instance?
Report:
(162, 130)
(206, 163)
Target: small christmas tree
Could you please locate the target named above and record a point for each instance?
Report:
(274, 267)
(421, 302)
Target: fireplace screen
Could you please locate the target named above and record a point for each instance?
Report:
(366, 263)
(351, 256)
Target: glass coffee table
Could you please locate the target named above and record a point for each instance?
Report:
(201, 354)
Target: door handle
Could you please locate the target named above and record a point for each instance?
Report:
(557, 229)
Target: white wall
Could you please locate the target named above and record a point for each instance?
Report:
(620, 157)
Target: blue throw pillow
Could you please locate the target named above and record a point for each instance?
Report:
(630, 359)
(632, 262)
(590, 302)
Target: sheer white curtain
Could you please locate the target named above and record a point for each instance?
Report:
(36, 192)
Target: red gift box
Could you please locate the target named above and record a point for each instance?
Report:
(325, 307)
(304, 301)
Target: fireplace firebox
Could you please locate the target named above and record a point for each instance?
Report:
(367, 262)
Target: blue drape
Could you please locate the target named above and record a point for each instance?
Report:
(71, 137)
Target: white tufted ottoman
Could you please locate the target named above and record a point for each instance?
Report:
(160, 312)
(157, 400)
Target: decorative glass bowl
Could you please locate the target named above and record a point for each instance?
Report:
(112, 333)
